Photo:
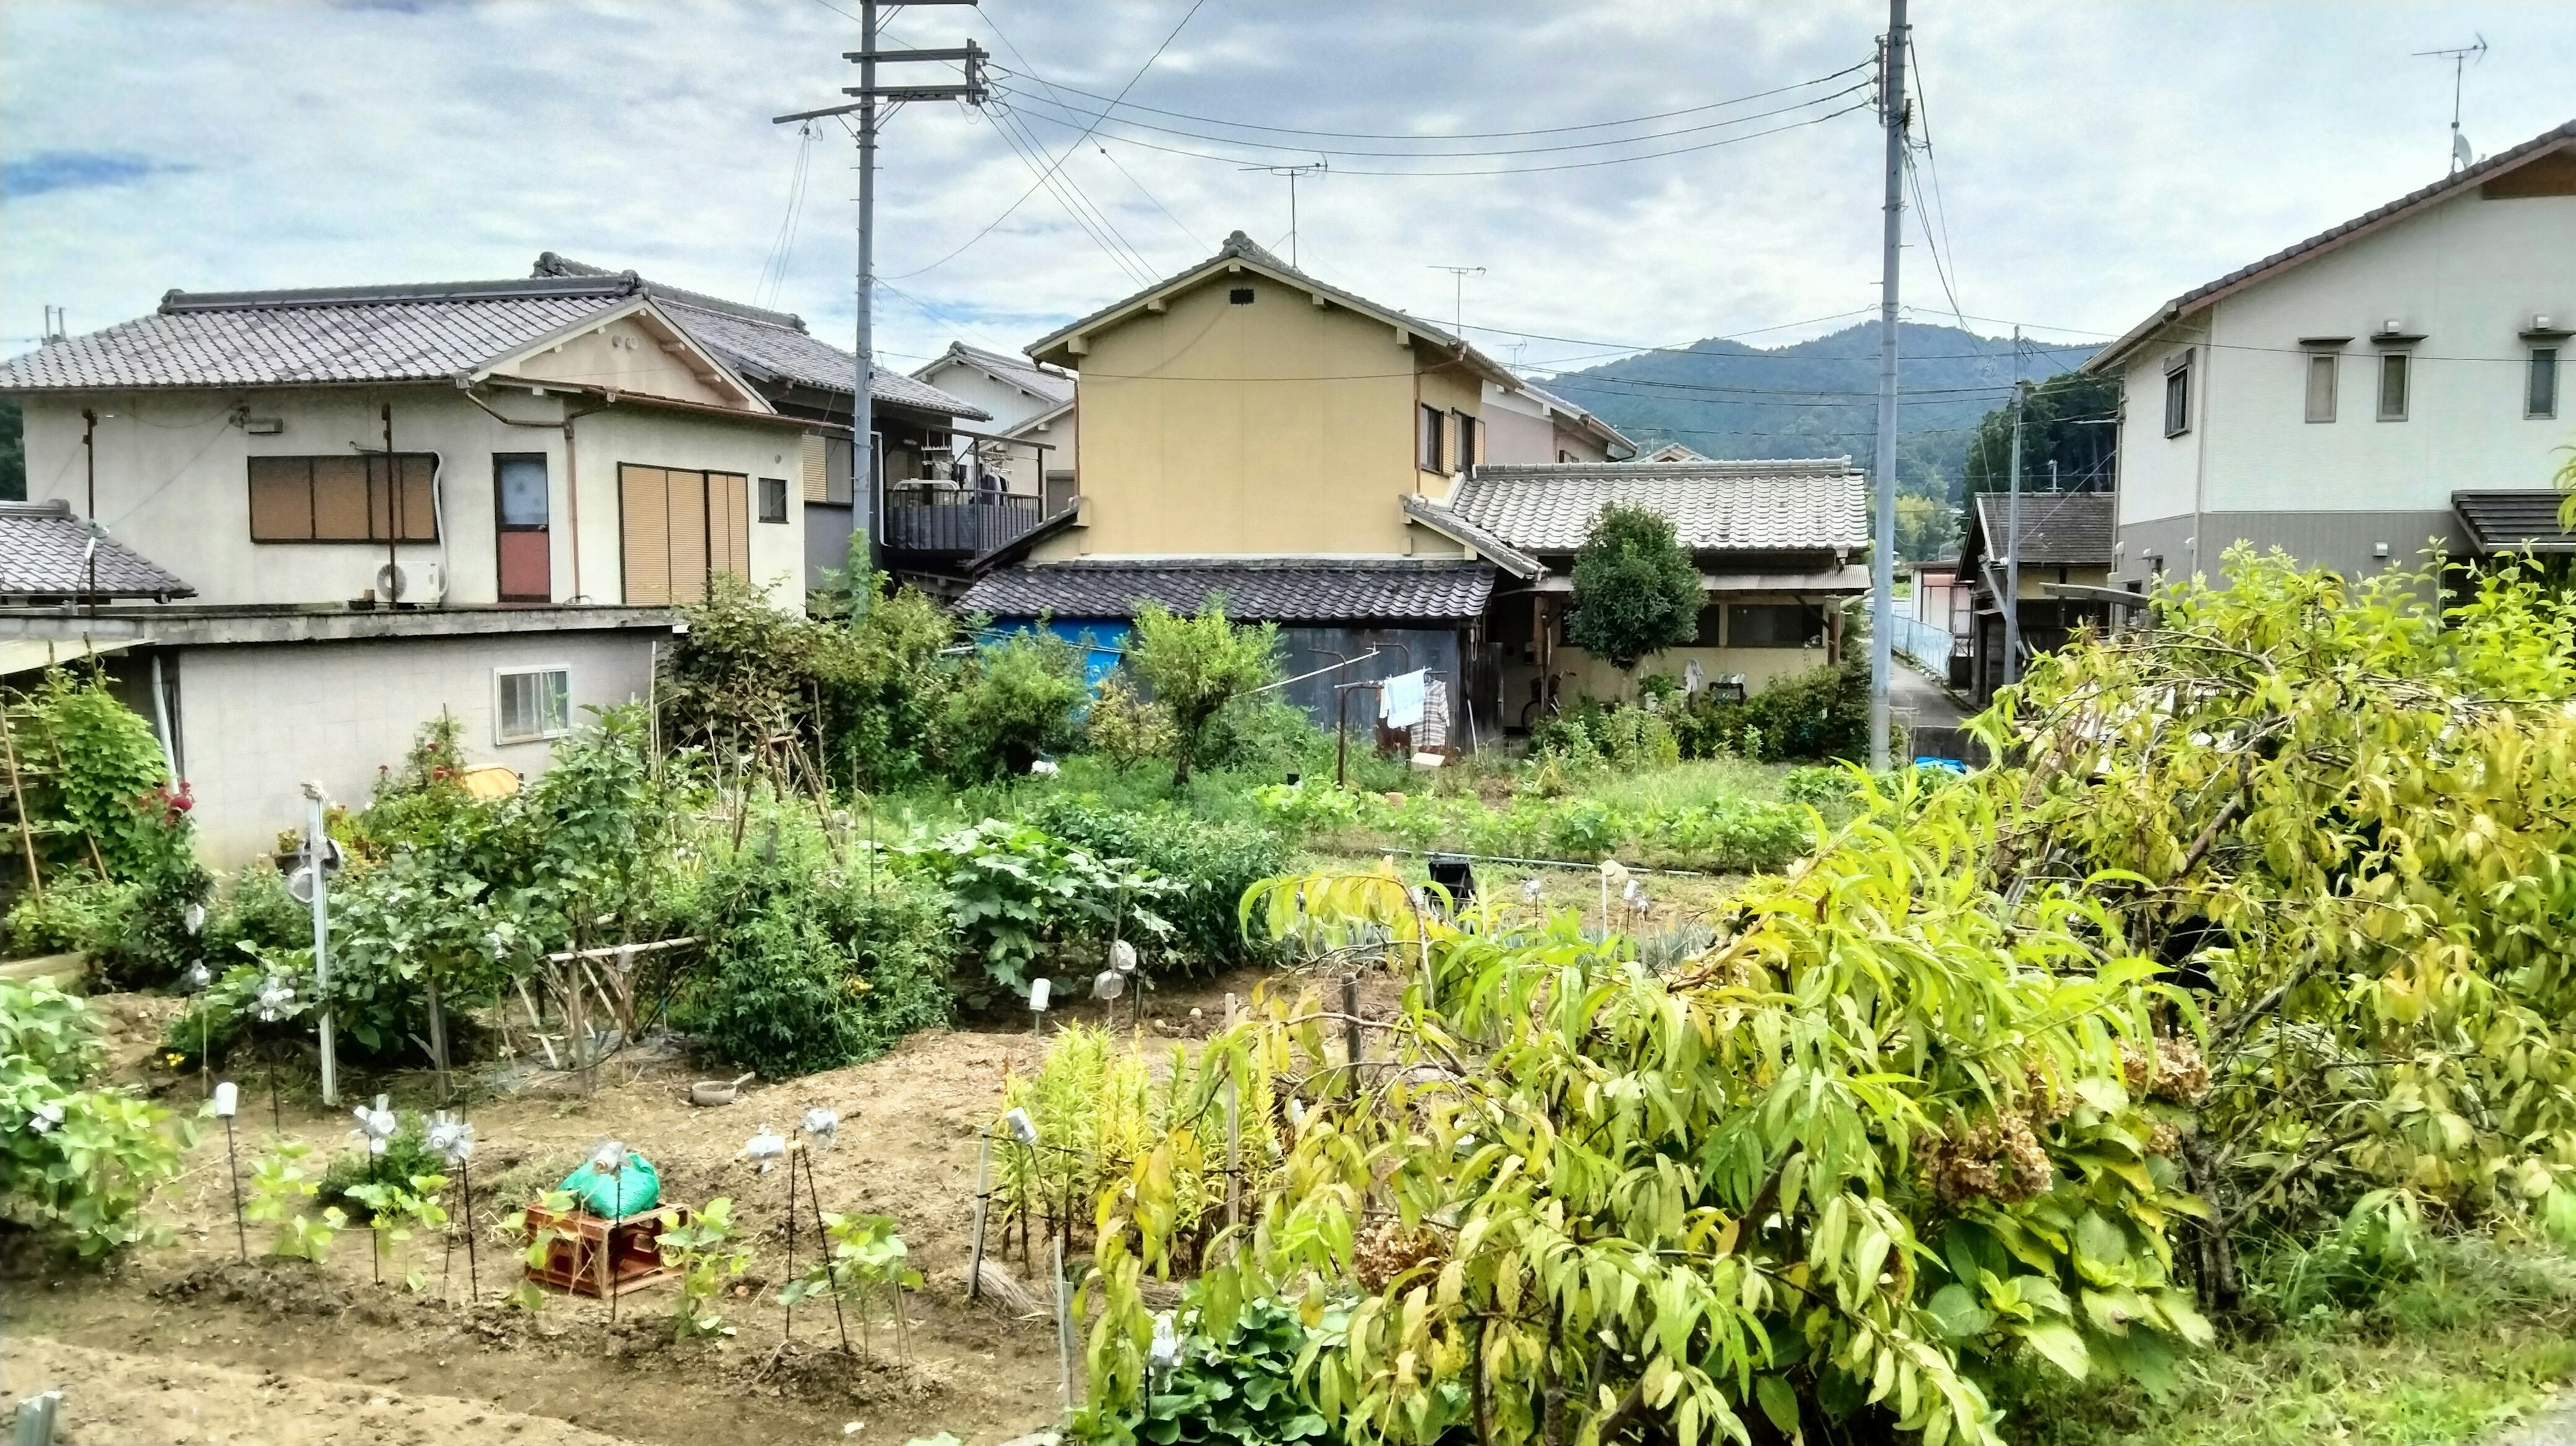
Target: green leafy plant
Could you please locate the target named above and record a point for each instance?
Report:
(76, 1161)
(1636, 590)
(1125, 729)
(1013, 701)
(1016, 891)
(1196, 666)
(396, 1208)
(708, 1251)
(1238, 1386)
(868, 1260)
(279, 1189)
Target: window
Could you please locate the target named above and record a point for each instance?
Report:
(2540, 389)
(2392, 386)
(523, 542)
(1773, 625)
(2322, 369)
(343, 499)
(2178, 397)
(1428, 446)
(773, 499)
(531, 703)
(1239, 296)
(678, 529)
(1466, 457)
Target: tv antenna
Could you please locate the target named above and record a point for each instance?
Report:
(2459, 56)
(1458, 296)
(1320, 163)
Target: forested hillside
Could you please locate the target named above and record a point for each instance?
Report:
(1817, 398)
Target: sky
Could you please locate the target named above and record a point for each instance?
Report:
(2085, 160)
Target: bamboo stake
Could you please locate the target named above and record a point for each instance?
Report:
(61, 769)
(18, 791)
(823, 1250)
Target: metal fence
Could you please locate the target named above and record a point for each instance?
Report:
(940, 519)
(1922, 642)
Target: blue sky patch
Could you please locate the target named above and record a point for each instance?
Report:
(75, 171)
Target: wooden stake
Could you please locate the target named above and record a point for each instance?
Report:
(18, 791)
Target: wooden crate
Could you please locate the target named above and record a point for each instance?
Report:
(591, 1255)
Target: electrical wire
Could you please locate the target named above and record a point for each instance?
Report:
(1096, 117)
(773, 271)
(1501, 170)
(1031, 72)
(1931, 242)
(988, 226)
(1032, 154)
(1465, 135)
(1931, 157)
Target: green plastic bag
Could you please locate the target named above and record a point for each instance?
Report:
(630, 1191)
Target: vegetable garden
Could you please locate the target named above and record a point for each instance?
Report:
(2236, 993)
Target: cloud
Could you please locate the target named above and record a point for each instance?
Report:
(75, 171)
(2091, 161)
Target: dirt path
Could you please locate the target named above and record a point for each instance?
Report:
(112, 1397)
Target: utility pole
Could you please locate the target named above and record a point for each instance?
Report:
(863, 452)
(2012, 541)
(1882, 552)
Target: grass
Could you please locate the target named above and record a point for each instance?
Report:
(2481, 1336)
(1685, 785)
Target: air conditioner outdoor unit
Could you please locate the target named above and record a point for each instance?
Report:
(422, 584)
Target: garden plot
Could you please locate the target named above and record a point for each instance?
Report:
(304, 1343)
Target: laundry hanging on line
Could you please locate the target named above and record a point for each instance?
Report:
(1400, 699)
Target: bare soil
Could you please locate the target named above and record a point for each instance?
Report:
(191, 1343)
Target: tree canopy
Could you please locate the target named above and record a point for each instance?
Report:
(1636, 590)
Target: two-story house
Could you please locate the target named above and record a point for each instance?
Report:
(2394, 380)
(478, 498)
(2065, 541)
(1389, 495)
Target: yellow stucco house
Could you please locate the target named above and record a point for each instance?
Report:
(1390, 496)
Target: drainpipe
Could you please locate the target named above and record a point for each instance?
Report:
(572, 472)
(89, 451)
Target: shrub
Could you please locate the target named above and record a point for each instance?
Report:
(1816, 716)
(1125, 729)
(1239, 1385)
(1013, 701)
(1196, 666)
(76, 915)
(805, 966)
(1208, 865)
(76, 1161)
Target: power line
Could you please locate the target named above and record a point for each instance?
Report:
(1031, 72)
(1417, 154)
(1033, 155)
(1863, 104)
(1467, 135)
(1932, 243)
(1932, 162)
(773, 271)
(988, 226)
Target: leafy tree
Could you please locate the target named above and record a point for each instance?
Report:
(2065, 419)
(1636, 590)
(1927, 529)
(1196, 665)
(1012, 701)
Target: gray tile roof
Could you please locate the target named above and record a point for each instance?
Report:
(424, 332)
(1257, 589)
(1239, 247)
(2519, 521)
(44, 552)
(1054, 386)
(769, 345)
(1814, 504)
(286, 338)
(2058, 529)
(1449, 524)
(2451, 184)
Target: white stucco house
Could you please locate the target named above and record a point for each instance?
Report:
(1034, 414)
(335, 513)
(2394, 380)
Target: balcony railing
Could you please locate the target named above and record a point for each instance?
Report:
(943, 518)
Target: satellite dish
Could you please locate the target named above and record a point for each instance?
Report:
(2460, 154)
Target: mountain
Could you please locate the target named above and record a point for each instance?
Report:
(1817, 398)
